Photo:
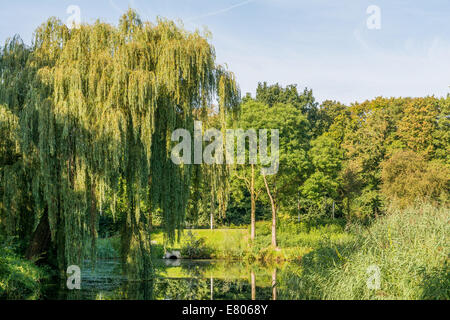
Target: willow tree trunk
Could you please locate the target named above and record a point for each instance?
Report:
(40, 240)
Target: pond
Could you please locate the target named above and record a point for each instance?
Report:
(180, 280)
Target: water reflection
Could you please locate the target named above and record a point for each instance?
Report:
(175, 280)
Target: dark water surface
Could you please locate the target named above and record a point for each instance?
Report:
(178, 280)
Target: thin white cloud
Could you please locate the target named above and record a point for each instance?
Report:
(214, 13)
(358, 36)
(118, 9)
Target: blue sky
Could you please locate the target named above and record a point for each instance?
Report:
(322, 44)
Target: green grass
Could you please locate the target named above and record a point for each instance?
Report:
(19, 278)
(219, 243)
(409, 247)
(294, 241)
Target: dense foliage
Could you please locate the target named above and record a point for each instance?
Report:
(86, 118)
(354, 161)
(19, 278)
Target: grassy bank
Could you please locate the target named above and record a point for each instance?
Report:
(410, 249)
(294, 240)
(19, 278)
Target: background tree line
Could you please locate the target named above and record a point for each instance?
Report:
(336, 161)
(352, 161)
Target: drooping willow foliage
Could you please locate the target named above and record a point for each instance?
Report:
(83, 108)
(210, 182)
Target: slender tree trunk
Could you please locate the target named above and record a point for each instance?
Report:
(211, 216)
(150, 221)
(212, 288)
(333, 210)
(274, 214)
(253, 279)
(211, 220)
(274, 284)
(253, 205)
(274, 225)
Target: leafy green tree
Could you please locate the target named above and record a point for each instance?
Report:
(441, 134)
(304, 101)
(370, 134)
(247, 173)
(419, 122)
(331, 119)
(326, 158)
(293, 129)
(408, 177)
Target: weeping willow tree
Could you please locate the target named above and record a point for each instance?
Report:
(86, 107)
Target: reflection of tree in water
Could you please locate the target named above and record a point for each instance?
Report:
(139, 290)
(253, 283)
(274, 284)
(181, 289)
(196, 281)
(200, 289)
(171, 289)
(193, 271)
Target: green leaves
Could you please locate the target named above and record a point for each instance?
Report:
(326, 159)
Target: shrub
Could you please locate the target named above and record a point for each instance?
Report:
(195, 248)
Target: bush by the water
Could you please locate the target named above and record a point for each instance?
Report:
(194, 247)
